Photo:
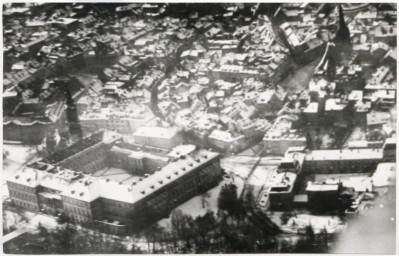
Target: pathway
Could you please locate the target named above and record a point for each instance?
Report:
(14, 234)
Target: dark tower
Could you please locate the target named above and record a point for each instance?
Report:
(72, 116)
(343, 34)
(154, 101)
(331, 68)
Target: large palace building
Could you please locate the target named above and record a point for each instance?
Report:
(64, 184)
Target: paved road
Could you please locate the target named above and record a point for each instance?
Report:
(14, 234)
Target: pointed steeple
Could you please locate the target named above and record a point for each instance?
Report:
(343, 34)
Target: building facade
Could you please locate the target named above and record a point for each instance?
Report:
(112, 206)
(342, 160)
(158, 137)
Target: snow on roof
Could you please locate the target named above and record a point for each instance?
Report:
(385, 175)
(156, 132)
(88, 188)
(170, 173)
(283, 180)
(138, 154)
(224, 136)
(182, 150)
(344, 154)
(334, 105)
(377, 118)
(358, 144)
(56, 182)
(265, 96)
(26, 177)
(312, 108)
(355, 95)
(321, 187)
(65, 21)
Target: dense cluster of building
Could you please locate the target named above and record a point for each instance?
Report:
(161, 82)
(355, 95)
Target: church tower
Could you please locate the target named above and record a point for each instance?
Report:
(342, 35)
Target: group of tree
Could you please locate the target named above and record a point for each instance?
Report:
(66, 239)
(237, 227)
(309, 242)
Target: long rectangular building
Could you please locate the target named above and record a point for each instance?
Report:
(343, 160)
(115, 207)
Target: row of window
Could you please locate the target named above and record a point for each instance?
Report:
(156, 141)
(110, 203)
(78, 218)
(184, 190)
(19, 187)
(111, 121)
(115, 211)
(27, 205)
(95, 165)
(75, 201)
(16, 193)
(77, 210)
(340, 164)
(85, 159)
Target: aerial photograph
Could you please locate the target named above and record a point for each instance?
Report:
(199, 128)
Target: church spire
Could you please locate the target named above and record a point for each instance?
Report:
(343, 34)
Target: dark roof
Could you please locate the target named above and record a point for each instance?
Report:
(75, 148)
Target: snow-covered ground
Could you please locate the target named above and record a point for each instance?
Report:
(358, 134)
(359, 181)
(29, 220)
(46, 221)
(194, 207)
(385, 175)
(299, 80)
(237, 168)
(319, 223)
(238, 165)
(17, 157)
(242, 165)
(261, 178)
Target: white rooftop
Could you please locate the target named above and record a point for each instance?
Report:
(385, 175)
(321, 187)
(156, 132)
(344, 154)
